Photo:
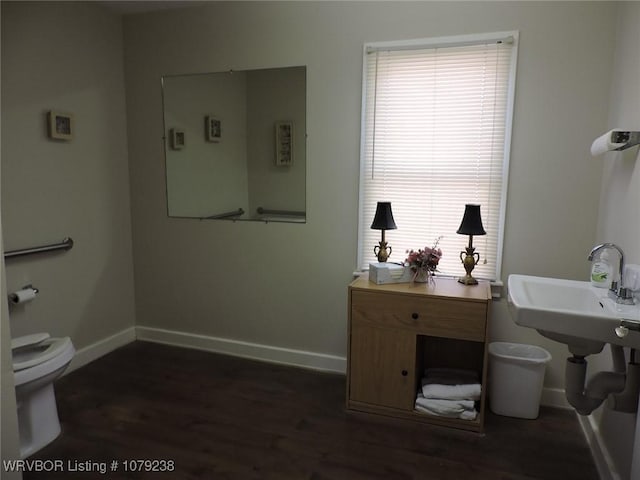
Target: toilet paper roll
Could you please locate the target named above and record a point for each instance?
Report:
(604, 144)
(22, 296)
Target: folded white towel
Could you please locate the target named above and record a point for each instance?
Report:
(471, 391)
(453, 406)
(433, 409)
(451, 376)
(466, 415)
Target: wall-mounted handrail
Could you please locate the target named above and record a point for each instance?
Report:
(66, 244)
(266, 211)
(235, 213)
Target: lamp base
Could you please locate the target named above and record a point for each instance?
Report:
(382, 251)
(468, 280)
(470, 259)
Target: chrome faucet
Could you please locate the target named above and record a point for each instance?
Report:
(617, 290)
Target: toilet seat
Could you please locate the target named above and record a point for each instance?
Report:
(36, 349)
(28, 340)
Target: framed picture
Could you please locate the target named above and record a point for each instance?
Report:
(60, 125)
(284, 144)
(213, 129)
(177, 138)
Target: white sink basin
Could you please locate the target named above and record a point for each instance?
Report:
(570, 312)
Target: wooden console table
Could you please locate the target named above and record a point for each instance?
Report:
(396, 331)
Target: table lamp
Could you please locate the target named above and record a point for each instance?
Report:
(471, 225)
(383, 220)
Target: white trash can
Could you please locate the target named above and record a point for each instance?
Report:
(516, 376)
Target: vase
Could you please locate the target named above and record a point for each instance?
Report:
(422, 276)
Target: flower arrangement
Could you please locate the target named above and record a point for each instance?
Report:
(424, 262)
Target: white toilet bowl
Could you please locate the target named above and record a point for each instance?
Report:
(37, 361)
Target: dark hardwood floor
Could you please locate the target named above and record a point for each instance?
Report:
(219, 417)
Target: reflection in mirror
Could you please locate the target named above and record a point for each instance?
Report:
(235, 144)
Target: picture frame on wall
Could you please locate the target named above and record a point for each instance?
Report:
(213, 129)
(284, 144)
(60, 125)
(177, 137)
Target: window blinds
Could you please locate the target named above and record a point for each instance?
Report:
(435, 137)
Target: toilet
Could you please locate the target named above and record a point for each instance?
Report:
(38, 360)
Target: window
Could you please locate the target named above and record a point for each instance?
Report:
(435, 136)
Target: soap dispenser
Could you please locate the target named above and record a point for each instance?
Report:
(601, 270)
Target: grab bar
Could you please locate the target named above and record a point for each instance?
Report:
(235, 213)
(266, 211)
(66, 244)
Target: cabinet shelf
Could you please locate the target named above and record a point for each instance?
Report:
(398, 330)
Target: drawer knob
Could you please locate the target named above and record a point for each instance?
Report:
(414, 316)
(404, 373)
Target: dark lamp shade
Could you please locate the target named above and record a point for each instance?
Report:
(383, 219)
(471, 221)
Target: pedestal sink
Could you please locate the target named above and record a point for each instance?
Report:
(571, 312)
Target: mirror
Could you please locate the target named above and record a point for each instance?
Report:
(235, 144)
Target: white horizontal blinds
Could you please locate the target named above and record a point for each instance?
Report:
(434, 140)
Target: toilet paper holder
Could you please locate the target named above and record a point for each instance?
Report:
(25, 294)
(629, 139)
(615, 140)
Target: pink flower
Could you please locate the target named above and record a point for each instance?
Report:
(426, 259)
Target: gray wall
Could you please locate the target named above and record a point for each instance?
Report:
(285, 285)
(619, 214)
(9, 440)
(280, 284)
(68, 57)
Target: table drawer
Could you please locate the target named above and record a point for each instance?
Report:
(440, 317)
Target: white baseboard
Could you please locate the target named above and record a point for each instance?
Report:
(554, 397)
(96, 350)
(604, 462)
(268, 353)
(551, 397)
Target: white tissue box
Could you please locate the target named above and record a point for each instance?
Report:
(382, 273)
